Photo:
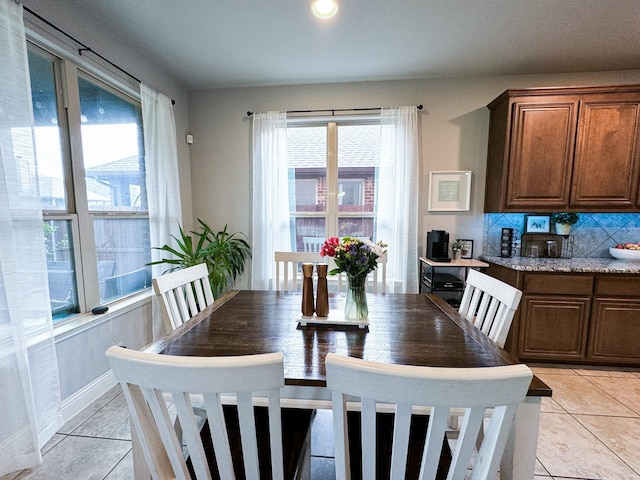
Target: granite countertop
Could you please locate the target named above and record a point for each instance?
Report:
(586, 265)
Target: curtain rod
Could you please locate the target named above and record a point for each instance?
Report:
(334, 110)
(84, 48)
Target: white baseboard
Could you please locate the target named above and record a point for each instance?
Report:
(80, 400)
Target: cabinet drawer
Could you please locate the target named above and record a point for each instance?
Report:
(558, 284)
(618, 285)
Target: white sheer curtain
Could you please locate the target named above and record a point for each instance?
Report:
(29, 382)
(397, 185)
(271, 223)
(163, 186)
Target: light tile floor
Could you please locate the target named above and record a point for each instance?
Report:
(590, 429)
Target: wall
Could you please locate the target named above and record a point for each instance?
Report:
(453, 127)
(81, 358)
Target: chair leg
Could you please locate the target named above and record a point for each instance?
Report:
(480, 437)
(304, 472)
(305, 469)
(178, 428)
(453, 422)
(201, 415)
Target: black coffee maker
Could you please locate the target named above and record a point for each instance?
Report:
(438, 246)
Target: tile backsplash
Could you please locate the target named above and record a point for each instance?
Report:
(593, 234)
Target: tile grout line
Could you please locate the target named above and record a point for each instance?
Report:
(575, 415)
(586, 427)
(117, 464)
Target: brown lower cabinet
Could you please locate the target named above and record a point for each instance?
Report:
(554, 328)
(588, 318)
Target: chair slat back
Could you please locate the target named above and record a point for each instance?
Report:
(312, 244)
(147, 379)
(183, 293)
(288, 276)
(490, 304)
(440, 389)
(376, 280)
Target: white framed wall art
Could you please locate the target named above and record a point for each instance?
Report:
(450, 191)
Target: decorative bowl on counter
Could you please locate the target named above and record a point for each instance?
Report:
(624, 253)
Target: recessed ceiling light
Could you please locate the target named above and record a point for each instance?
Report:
(324, 8)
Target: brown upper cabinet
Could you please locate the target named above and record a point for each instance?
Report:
(575, 149)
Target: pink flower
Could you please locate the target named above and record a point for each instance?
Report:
(329, 247)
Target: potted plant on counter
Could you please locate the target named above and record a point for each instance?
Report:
(456, 247)
(564, 221)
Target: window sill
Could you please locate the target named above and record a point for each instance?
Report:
(84, 321)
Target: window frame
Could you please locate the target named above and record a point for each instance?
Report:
(332, 214)
(68, 68)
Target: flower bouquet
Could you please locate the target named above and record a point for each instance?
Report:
(356, 258)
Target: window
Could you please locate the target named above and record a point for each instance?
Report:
(332, 180)
(91, 176)
(365, 173)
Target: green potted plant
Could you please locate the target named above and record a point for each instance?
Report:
(564, 221)
(224, 253)
(456, 247)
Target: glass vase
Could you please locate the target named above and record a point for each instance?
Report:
(355, 307)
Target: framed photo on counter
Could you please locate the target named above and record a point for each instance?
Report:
(537, 224)
(467, 248)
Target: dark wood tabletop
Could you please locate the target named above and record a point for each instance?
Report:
(408, 329)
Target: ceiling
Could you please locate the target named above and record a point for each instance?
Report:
(229, 43)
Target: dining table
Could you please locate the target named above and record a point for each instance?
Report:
(404, 329)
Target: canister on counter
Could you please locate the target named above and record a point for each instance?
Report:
(506, 242)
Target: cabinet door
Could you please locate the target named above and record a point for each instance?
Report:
(615, 332)
(541, 154)
(607, 165)
(553, 327)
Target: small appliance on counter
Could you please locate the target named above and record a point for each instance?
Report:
(438, 246)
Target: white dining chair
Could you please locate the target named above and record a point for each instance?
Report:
(312, 244)
(376, 279)
(435, 388)
(490, 305)
(266, 438)
(288, 275)
(183, 293)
